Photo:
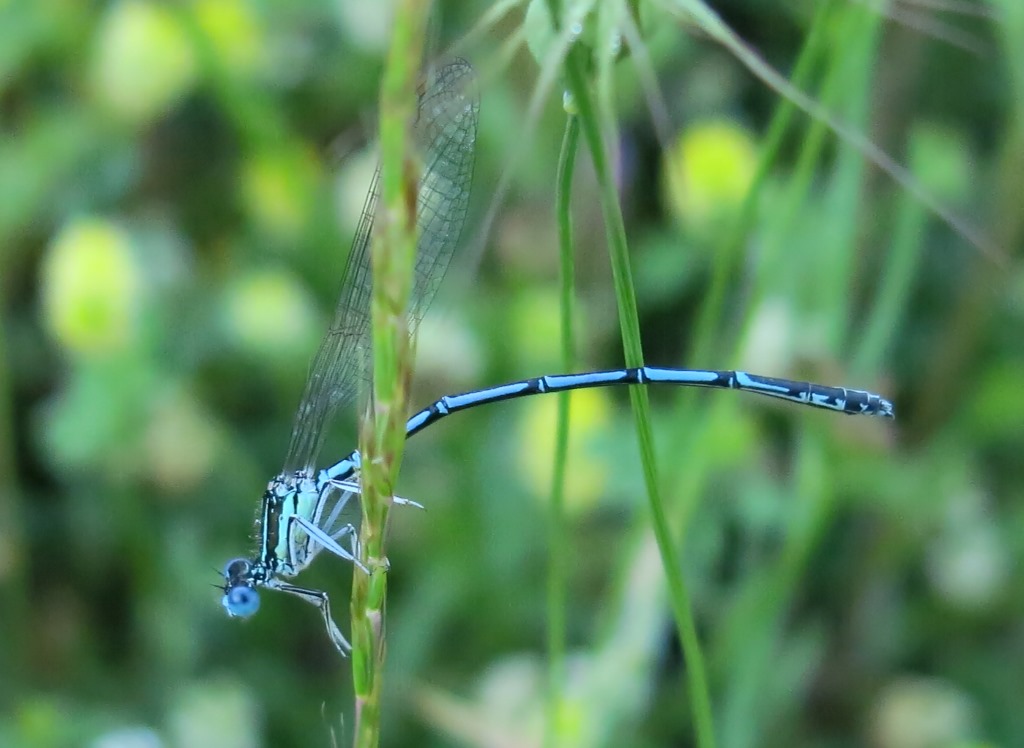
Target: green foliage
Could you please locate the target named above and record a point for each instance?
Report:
(178, 185)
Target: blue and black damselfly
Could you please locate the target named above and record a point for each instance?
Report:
(303, 509)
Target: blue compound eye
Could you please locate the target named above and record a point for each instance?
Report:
(241, 602)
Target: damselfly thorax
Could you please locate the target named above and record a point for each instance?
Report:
(297, 510)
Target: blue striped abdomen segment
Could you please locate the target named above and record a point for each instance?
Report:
(840, 399)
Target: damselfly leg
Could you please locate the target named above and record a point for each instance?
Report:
(323, 603)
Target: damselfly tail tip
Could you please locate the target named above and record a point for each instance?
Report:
(885, 408)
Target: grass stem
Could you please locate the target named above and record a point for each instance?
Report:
(558, 535)
(630, 329)
(383, 431)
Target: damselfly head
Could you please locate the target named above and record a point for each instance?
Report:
(240, 597)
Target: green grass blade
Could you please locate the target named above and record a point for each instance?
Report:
(558, 534)
(712, 24)
(15, 585)
(729, 253)
(630, 329)
(886, 316)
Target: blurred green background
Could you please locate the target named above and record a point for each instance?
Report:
(179, 183)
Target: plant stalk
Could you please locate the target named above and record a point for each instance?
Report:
(630, 328)
(382, 436)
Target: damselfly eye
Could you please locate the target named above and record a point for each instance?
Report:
(236, 568)
(241, 601)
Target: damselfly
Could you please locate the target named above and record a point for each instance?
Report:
(303, 509)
